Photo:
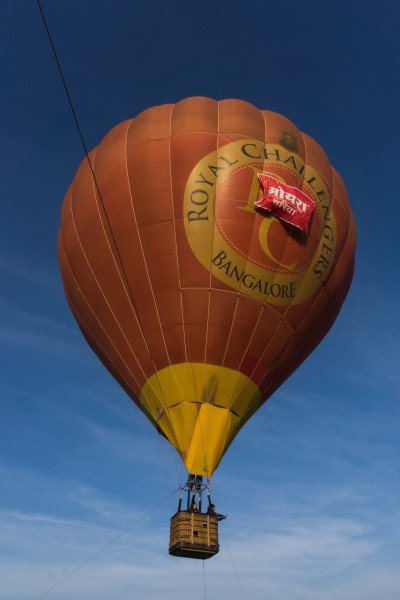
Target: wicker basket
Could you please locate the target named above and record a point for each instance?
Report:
(193, 535)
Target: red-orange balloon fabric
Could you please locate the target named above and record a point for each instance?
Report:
(199, 304)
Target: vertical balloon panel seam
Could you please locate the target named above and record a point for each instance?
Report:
(220, 137)
(178, 264)
(209, 290)
(175, 236)
(187, 344)
(272, 381)
(213, 238)
(283, 315)
(265, 305)
(142, 255)
(263, 308)
(267, 347)
(103, 295)
(89, 329)
(239, 294)
(337, 258)
(123, 279)
(329, 186)
(209, 269)
(313, 335)
(294, 336)
(95, 344)
(302, 182)
(163, 399)
(196, 391)
(121, 274)
(136, 313)
(208, 322)
(316, 335)
(231, 330)
(305, 271)
(245, 352)
(134, 309)
(149, 278)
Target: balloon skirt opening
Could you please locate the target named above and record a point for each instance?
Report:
(199, 407)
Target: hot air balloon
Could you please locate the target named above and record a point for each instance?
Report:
(199, 302)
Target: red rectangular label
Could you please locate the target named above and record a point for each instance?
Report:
(285, 201)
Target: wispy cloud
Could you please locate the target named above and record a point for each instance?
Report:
(312, 559)
(284, 540)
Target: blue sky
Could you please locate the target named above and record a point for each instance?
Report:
(311, 484)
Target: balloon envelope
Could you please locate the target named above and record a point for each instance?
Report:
(199, 304)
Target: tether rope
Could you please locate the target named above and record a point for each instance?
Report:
(124, 279)
(234, 568)
(66, 90)
(204, 578)
(103, 548)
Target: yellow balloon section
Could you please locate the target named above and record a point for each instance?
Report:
(198, 304)
(202, 428)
